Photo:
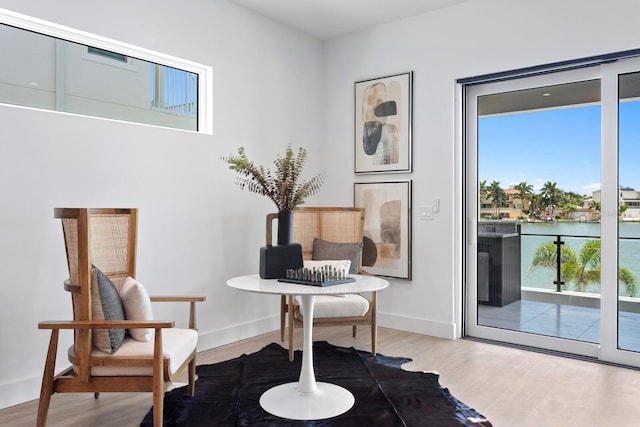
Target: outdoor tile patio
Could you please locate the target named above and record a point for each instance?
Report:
(560, 320)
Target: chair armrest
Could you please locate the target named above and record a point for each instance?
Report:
(192, 300)
(105, 324)
(177, 298)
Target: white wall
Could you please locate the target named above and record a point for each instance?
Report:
(466, 40)
(272, 86)
(196, 228)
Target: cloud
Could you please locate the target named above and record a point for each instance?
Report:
(591, 187)
(538, 184)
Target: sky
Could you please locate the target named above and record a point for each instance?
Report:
(629, 146)
(561, 146)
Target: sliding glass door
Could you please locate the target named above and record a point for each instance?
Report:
(628, 227)
(544, 210)
(621, 255)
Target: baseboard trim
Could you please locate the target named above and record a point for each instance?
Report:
(21, 391)
(418, 325)
(231, 334)
(237, 332)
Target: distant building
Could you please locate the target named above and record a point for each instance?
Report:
(513, 208)
(630, 198)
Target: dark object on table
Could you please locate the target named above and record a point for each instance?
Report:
(318, 282)
(276, 260)
(323, 276)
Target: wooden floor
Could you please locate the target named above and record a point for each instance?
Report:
(511, 387)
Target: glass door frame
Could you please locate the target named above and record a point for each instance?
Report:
(471, 216)
(609, 349)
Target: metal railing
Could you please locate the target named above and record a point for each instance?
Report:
(559, 242)
(174, 90)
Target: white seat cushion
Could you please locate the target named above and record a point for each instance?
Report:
(350, 305)
(177, 344)
(137, 306)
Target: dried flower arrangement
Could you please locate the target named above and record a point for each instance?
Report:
(285, 186)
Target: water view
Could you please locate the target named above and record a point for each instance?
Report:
(540, 277)
(539, 158)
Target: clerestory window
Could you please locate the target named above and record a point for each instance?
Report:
(51, 67)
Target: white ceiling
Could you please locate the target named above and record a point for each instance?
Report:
(326, 19)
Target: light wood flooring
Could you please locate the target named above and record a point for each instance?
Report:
(511, 387)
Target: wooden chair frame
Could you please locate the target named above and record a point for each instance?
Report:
(352, 222)
(77, 225)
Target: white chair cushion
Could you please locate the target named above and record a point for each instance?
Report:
(137, 306)
(177, 344)
(350, 305)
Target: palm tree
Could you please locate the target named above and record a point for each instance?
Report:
(551, 193)
(525, 191)
(589, 265)
(498, 196)
(536, 203)
(569, 209)
(546, 256)
(583, 269)
(483, 191)
(574, 198)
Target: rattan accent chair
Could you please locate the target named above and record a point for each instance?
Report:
(105, 240)
(338, 225)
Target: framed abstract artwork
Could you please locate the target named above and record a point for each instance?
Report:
(383, 109)
(387, 227)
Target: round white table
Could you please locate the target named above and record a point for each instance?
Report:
(306, 399)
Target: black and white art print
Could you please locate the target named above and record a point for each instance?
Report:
(383, 124)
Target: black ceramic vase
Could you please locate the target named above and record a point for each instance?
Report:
(285, 227)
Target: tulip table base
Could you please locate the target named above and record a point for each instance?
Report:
(285, 401)
(306, 399)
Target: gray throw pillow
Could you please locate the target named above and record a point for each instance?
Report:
(106, 305)
(324, 250)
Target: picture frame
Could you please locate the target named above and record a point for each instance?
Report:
(383, 124)
(387, 228)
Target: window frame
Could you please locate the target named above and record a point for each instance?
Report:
(204, 72)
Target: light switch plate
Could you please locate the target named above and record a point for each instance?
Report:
(426, 213)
